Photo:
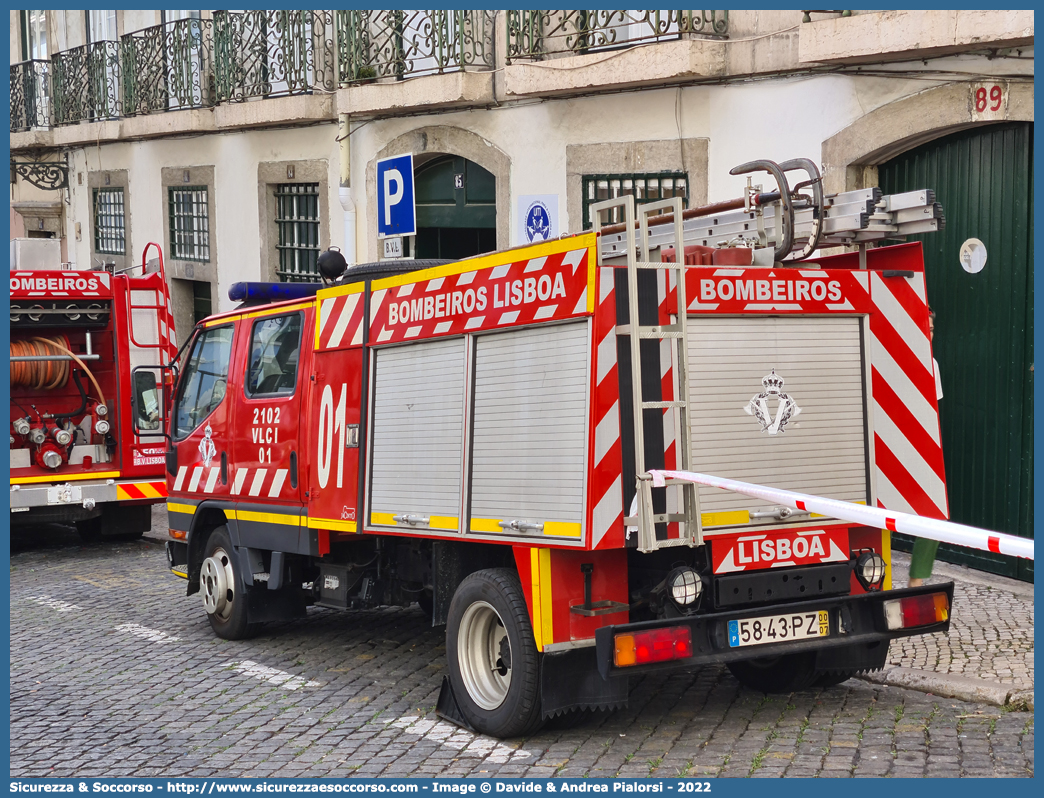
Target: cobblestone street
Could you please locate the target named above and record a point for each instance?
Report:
(115, 672)
(991, 634)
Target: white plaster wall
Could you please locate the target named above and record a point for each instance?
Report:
(235, 157)
(777, 119)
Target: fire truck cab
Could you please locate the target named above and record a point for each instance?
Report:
(475, 437)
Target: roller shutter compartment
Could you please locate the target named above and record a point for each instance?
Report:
(418, 435)
(529, 432)
(821, 450)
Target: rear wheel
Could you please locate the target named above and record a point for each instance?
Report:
(222, 589)
(494, 666)
(782, 674)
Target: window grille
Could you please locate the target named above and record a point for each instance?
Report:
(647, 187)
(297, 219)
(189, 223)
(109, 221)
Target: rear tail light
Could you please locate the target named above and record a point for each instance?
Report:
(912, 611)
(653, 645)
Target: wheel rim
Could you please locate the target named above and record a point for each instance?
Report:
(216, 582)
(481, 644)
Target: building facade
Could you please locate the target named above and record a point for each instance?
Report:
(245, 143)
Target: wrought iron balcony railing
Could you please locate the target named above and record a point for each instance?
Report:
(168, 67)
(401, 44)
(272, 53)
(547, 34)
(30, 95)
(85, 82)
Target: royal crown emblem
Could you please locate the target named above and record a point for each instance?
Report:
(758, 406)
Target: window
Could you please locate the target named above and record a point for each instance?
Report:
(275, 347)
(189, 223)
(644, 187)
(297, 219)
(109, 222)
(204, 381)
(34, 35)
(101, 26)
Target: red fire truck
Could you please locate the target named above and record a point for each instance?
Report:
(476, 437)
(77, 456)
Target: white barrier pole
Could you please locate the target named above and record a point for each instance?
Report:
(943, 531)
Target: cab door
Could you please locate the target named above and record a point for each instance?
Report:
(266, 453)
(201, 427)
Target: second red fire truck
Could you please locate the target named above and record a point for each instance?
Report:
(77, 337)
(476, 437)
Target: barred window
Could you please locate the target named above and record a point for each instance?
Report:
(189, 223)
(110, 236)
(297, 218)
(647, 187)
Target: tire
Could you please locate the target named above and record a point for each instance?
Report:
(90, 530)
(222, 589)
(783, 674)
(499, 695)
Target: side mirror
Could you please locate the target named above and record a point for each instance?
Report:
(149, 400)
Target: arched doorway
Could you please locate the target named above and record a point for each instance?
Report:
(456, 208)
(983, 177)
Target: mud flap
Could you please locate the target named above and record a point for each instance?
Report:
(447, 707)
(570, 680)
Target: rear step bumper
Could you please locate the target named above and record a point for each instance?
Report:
(853, 621)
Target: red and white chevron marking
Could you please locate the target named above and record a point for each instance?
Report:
(270, 483)
(340, 322)
(907, 443)
(606, 480)
(546, 288)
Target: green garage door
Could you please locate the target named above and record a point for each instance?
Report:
(984, 331)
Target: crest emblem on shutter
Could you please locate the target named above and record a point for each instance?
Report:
(758, 406)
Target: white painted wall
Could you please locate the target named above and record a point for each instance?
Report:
(235, 157)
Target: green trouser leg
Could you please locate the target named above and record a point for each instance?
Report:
(922, 558)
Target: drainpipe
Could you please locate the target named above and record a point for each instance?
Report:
(344, 192)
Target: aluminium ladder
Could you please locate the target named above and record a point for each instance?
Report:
(646, 520)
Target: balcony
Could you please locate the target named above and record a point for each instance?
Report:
(261, 54)
(30, 95)
(401, 44)
(85, 82)
(168, 67)
(299, 59)
(539, 35)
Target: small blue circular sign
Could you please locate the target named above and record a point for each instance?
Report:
(538, 222)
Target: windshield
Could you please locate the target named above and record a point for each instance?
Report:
(204, 380)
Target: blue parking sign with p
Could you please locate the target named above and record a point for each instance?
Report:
(396, 212)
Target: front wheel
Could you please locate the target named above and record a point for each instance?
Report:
(494, 666)
(221, 586)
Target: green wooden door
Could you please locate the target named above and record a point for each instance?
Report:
(456, 209)
(984, 330)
